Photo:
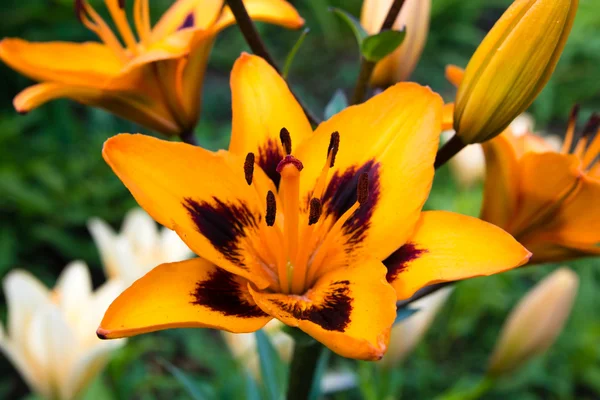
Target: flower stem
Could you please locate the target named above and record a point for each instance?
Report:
(448, 150)
(189, 138)
(366, 66)
(255, 42)
(302, 369)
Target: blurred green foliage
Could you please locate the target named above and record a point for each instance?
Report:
(52, 179)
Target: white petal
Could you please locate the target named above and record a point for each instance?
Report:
(88, 366)
(30, 373)
(104, 238)
(173, 248)
(140, 229)
(74, 288)
(24, 294)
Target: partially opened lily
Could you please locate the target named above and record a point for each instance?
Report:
(49, 337)
(154, 79)
(323, 231)
(414, 18)
(546, 199)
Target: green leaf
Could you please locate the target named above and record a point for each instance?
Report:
(269, 365)
(183, 379)
(337, 103)
(376, 47)
(404, 313)
(353, 23)
(292, 54)
(320, 370)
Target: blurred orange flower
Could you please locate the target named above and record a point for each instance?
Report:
(155, 79)
(548, 200)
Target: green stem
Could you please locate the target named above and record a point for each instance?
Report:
(258, 47)
(189, 138)
(448, 150)
(302, 369)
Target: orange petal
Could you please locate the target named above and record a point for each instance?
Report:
(278, 12)
(394, 138)
(545, 181)
(447, 116)
(454, 74)
(129, 105)
(501, 181)
(86, 64)
(448, 247)
(350, 310)
(262, 106)
(201, 195)
(199, 14)
(576, 223)
(187, 294)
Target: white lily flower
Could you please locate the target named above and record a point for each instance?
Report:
(51, 338)
(138, 248)
(407, 334)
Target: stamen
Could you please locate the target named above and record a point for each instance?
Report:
(120, 19)
(94, 22)
(334, 146)
(271, 209)
(570, 129)
(332, 150)
(591, 154)
(592, 125)
(286, 141)
(249, 167)
(316, 208)
(362, 190)
(141, 17)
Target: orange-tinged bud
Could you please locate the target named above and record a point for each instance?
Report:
(536, 322)
(414, 17)
(511, 66)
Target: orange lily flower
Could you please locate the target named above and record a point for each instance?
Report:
(546, 199)
(323, 231)
(155, 79)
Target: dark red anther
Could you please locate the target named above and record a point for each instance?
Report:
(334, 146)
(286, 140)
(362, 190)
(315, 210)
(249, 168)
(271, 209)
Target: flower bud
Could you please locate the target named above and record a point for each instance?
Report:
(414, 17)
(511, 66)
(536, 322)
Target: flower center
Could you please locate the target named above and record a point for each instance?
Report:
(304, 244)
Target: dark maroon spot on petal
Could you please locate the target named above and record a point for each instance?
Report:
(333, 314)
(223, 224)
(398, 261)
(341, 194)
(221, 292)
(188, 22)
(269, 156)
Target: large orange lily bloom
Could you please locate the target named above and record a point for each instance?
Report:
(323, 231)
(154, 79)
(548, 200)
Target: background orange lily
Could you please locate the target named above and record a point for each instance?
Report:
(287, 229)
(548, 200)
(138, 78)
